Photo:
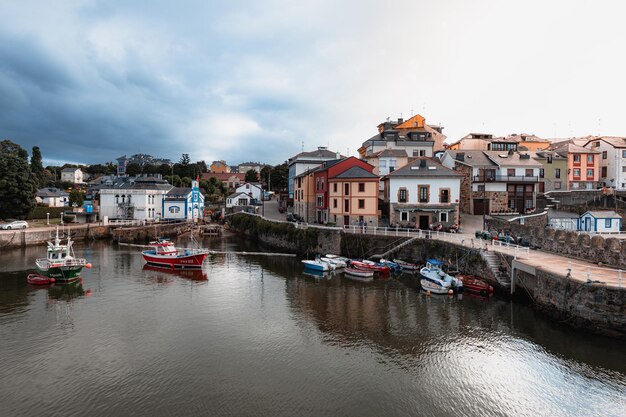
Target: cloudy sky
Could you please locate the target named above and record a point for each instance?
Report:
(89, 81)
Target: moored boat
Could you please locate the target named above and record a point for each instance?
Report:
(475, 285)
(60, 262)
(36, 279)
(315, 265)
(369, 265)
(361, 273)
(337, 257)
(164, 253)
(407, 265)
(336, 262)
(435, 287)
(434, 274)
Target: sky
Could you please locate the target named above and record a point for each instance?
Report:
(88, 81)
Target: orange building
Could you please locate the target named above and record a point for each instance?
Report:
(219, 167)
(353, 197)
(304, 195)
(583, 165)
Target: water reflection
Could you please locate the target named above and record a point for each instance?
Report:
(66, 292)
(190, 274)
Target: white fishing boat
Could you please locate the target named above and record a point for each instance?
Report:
(338, 263)
(435, 280)
(361, 273)
(337, 257)
(407, 265)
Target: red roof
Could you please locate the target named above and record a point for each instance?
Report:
(223, 176)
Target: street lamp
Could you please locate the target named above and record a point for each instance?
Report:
(48, 219)
(61, 218)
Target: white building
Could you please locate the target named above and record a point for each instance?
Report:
(422, 193)
(612, 160)
(183, 203)
(53, 197)
(600, 222)
(253, 190)
(73, 175)
(134, 199)
(238, 199)
(305, 161)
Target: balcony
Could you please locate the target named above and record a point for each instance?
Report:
(504, 178)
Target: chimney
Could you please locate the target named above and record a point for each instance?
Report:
(400, 120)
(337, 155)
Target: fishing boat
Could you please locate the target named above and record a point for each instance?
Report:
(394, 266)
(435, 280)
(338, 263)
(60, 262)
(407, 265)
(164, 253)
(475, 285)
(337, 257)
(316, 265)
(361, 273)
(369, 265)
(36, 279)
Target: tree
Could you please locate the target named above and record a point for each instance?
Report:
(133, 169)
(251, 176)
(266, 171)
(184, 159)
(36, 166)
(18, 185)
(280, 177)
(164, 169)
(150, 169)
(76, 196)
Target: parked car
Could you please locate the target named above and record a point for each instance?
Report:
(17, 224)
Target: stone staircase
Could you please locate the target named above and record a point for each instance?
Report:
(395, 248)
(546, 202)
(495, 262)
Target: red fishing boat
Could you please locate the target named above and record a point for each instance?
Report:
(164, 253)
(370, 266)
(475, 285)
(36, 279)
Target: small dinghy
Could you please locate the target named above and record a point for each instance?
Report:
(361, 273)
(407, 265)
(475, 285)
(36, 279)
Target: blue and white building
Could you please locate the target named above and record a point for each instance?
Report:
(182, 203)
(600, 222)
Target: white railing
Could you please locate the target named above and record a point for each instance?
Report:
(610, 276)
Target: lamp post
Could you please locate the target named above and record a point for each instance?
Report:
(484, 199)
(48, 219)
(61, 218)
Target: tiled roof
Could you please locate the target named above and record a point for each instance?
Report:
(608, 214)
(51, 192)
(615, 141)
(565, 148)
(474, 158)
(511, 159)
(398, 153)
(179, 192)
(355, 172)
(424, 167)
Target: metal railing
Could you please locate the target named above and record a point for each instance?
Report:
(611, 276)
(504, 178)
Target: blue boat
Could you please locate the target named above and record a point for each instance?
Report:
(316, 265)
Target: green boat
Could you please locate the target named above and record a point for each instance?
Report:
(60, 262)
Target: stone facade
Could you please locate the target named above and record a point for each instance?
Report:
(498, 200)
(466, 187)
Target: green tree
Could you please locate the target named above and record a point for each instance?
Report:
(133, 169)
(266, 172)
(150, 169)
(36, 166)
(76, 196)
(164, 169)
(18, 185)
(251, 176)
(280, 177)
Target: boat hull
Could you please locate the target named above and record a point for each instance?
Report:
(407, 265)
(433, 287)
(316, 266)
(362, 273)
(36, 279)
(475, 285)
(61, 273)
(175, 261)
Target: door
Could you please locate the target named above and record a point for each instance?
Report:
(587, 224)
(424, 222)
(346, 220)
(481, 206)
(542, 187)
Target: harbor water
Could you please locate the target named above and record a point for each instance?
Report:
(255, 336)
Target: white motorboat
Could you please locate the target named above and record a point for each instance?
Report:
(435, 280)
(316, 265)
(338, 263)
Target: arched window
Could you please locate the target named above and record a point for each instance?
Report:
(117, 198)
(174, 209)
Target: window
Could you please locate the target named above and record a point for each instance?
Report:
(361, 203)
(299, 182)
(423, 193)
(415, 152)
(604, 154)
(402, 197)
(317, 184)
(320, 201)
(383, 163)
(361, 187)
(481, 187)
(334, 187)
(590, 159)
(510, 172)
(557, 185)
(577, 172)
(443, 217)
(541, 172)
(603, 172)
(624, 169)
(404, 216)
(175, 209)
(577, 159)
(346, 189)
(392, 163)
(422, 153)
(346, 205)
(590, 173)
(334, 203)
(624, 154)
(529, 172)
(550, 159)
(557, 172)
(607, 223)
(444, 195)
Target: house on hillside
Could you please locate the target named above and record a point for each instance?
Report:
(422, 193)
(255, 191)
(600, 222)
(553, 174)
(612, 160)
(583, 165)
(219, 167)
(231, 180)
(238, 199)
(52, 197)
(73, 175)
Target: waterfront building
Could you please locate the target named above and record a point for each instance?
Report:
(304, 195)
(183, 203)
(612, 160)
(495, 182)
(238, 199)
(423, 193)
(219, 167)
(583, 165)
(133, 198)
(305, 161)
(52, 197)
(255, 191)
(73, 175)
(552, 175)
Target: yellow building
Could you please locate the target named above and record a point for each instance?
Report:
(304, 195)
